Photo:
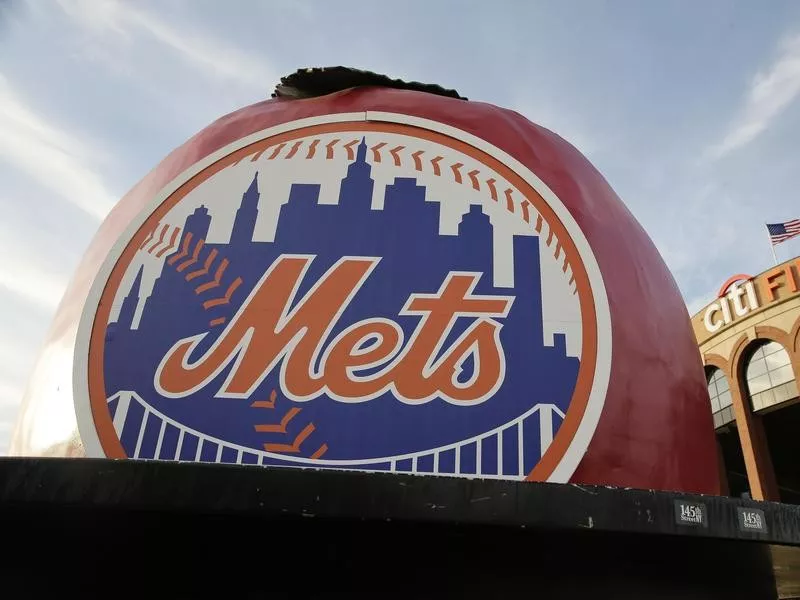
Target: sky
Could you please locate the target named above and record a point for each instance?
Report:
(689, 109)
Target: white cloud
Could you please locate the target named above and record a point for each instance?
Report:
(771, 91)
(205, 52)
(29, 142)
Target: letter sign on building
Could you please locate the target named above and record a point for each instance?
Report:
(389, 295)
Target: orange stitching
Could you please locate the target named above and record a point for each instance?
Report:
(148, 238)
(509, 200)
(492, 189)
(312, 149)
(395, 154)
(349, 147)
(185, 265)
(294, 447)
(329, 148)
(204, 271)
(215, 322)
(525, 215)
(294, 149)
(473, 176)
(217, 278)
(456, 173)
(184, 250)
(376, 155)
(319, 452)
(417, 159)
(277, 151)
(558, 250)
(258, 154)
(273, 396)
(160, 238)
(226, 298)
(280, 427)
(172, 239)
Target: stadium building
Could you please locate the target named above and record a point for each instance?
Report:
(749, 339)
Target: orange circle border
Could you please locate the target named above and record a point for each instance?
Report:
(104, 427)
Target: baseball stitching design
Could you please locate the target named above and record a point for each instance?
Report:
(188, 256)
(401, 155)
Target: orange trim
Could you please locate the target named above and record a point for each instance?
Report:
(583, 385)
(730, 281)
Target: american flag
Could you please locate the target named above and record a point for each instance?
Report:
(780, 232)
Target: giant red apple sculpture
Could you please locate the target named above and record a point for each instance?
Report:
(366, 274)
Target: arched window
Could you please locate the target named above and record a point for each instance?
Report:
(720, 394)
(769, 375)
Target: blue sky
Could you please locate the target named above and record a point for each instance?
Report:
(688, 108)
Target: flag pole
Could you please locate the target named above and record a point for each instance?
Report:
(771, 245)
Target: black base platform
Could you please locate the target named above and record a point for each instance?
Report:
(127, 529)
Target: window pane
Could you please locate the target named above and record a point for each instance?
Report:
(722, 384)
(758, 384)
(781, 375)
(714, 404)
(725, 399)
(778, 359)
(756, 367)
(771, 348)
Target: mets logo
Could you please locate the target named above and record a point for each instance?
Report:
(373, 292)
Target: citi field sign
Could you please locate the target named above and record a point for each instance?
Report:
(744, 294)
(394, 296)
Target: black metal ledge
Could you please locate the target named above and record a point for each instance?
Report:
(124, 529)
(53, 484)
